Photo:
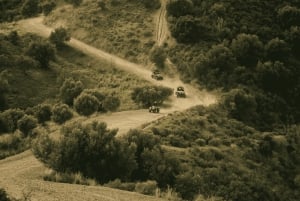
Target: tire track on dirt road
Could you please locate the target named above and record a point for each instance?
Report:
(161, 24)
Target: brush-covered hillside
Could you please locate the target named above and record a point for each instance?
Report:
(250, 46)
(125, 28)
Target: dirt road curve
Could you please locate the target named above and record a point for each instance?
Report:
(23, 173)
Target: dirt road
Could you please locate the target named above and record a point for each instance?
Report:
(23, 172)
(161, 24)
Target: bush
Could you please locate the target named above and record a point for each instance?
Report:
(149, 95)
(248, 49)
(43, 112)
(61, 113)
(59, 36)
(179, 8)
(70, 90)
(9, 119)
(30, 8)
(127, 186)
(48, 6)
(42, 52)
(26, 124)
(86, 104)
(81, 147)
(111, 103)
(3, 195)
(147, 188)
(189, 29)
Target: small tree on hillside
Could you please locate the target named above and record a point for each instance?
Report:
(59, 36)
(43, 113)
(70, 90)
(26, 124)
(148, 95)
(30, 8)
(86, 104)
(61, 113)
(48, 6)
(42, 52)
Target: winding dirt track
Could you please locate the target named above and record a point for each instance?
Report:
(23, 172)
(161, 24)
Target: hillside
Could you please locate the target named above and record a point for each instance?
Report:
(250, 45)
(81, 74)
(124, 28)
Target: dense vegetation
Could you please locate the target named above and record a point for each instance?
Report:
(250, 45)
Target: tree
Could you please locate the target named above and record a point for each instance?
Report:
(43, 52)
(274, 77)
(216, 66)
(293, 38)
(10, 118)
(90, 149)
(289, 16)
(43, 112)
(247, 48)
(26, 124)
(189, 29)
(241, 105)
(48, 6)
(86, 104)
(70, 90)
(179, 8)
(4, 88)
(61, 113)
(277, 49)
(158, 56)
(30, 8)
(148, 95)
(59, 36)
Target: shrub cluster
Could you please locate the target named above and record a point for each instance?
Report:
(149, 95)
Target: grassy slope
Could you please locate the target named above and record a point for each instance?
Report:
(205, 139)
(34, 85)
(125, 29)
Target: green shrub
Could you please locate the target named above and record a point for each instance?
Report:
(43, 52)
(70, 90)
(111, 103)
(81, 146)
(59, 36)
(149, 95)
(147, 188)
(30, 8)
(61, 113)
(48, 6)
(86, 104)
(3, 195)
(117, 183)
(26, 124)
(9, 119)
(43, 112)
